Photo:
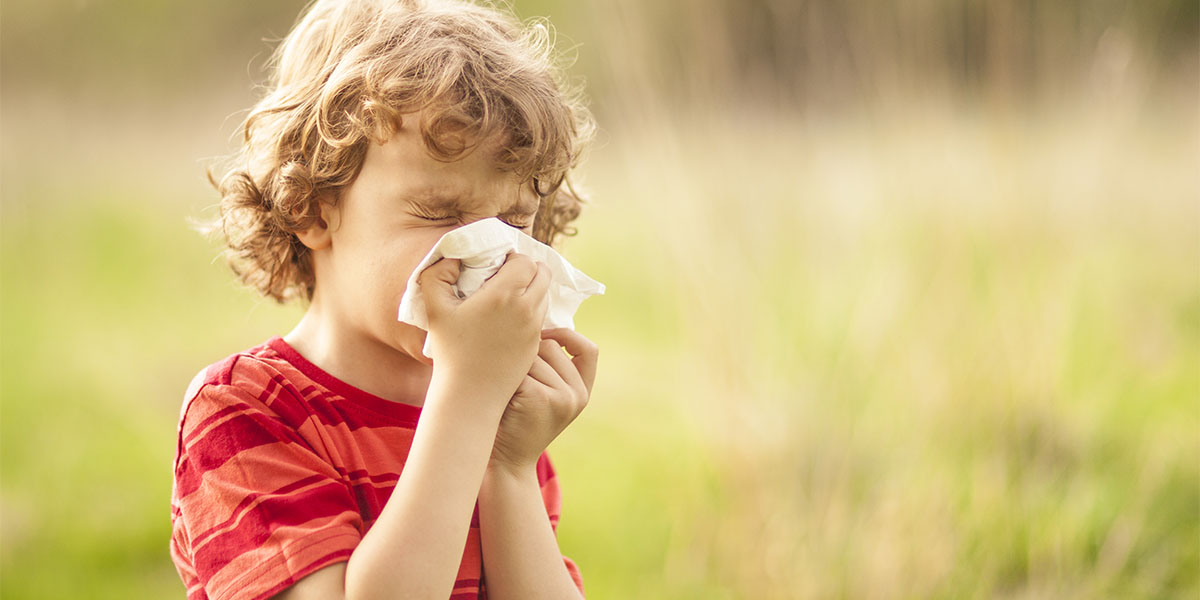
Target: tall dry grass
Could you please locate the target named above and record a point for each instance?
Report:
(928, 354)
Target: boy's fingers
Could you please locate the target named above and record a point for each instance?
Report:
(437, 281)
(543, 373)
(444, 272)
(583, 351)
(539, 288)
(515, 274)
(541, 281)
(554, 356)
(530, 386)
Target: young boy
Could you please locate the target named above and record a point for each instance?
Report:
(340, 461)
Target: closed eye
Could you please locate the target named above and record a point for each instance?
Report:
(518, 224)
(518, 219)
(435, 217)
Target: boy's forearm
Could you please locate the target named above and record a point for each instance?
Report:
(521, 557)
(415, 547)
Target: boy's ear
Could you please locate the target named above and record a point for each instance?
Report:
(318, 236)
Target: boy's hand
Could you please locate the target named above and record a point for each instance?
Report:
(552, 394)
(492, 336)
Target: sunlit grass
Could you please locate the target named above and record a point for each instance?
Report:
(943, 358)
(917, 357)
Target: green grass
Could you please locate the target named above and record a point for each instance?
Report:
(929, 358)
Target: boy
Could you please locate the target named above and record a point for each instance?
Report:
(301, 470)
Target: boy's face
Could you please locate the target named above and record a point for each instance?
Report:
(388, 219)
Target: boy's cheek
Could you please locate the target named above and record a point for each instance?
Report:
(400, 258)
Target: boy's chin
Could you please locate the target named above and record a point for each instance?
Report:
(421, 358)
(412, 342)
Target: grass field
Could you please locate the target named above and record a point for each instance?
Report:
(926, 355)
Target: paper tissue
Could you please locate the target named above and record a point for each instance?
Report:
(481, 248)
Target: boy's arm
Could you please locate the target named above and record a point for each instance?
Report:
(520, 552)
(415, 547)
(521, 558)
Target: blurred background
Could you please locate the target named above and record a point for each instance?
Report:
(904, 297)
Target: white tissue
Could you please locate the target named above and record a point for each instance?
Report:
(481, 247)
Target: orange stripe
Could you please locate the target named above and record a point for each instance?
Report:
(275, 562)
(200, 540)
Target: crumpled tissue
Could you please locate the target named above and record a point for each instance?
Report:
(481, 247)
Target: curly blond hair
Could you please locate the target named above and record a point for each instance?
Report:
(344, 77)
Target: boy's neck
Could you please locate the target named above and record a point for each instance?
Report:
(364, 362)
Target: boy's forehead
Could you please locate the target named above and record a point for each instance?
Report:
(473, 182)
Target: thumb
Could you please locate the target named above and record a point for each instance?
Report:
(437, 283)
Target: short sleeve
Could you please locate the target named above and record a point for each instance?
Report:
(552, 498)
(255, 507)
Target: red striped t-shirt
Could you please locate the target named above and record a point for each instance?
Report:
(281, 469)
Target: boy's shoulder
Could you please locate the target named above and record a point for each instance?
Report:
(240, 379)
(247, 398)
(238, 369)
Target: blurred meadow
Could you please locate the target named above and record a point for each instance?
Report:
(903, 297)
